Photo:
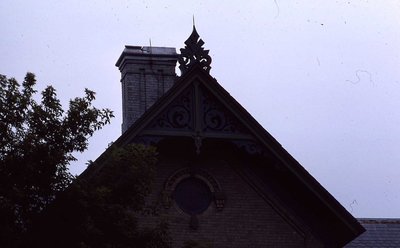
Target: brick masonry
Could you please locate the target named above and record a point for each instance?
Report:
(146, 74)
(245, 221)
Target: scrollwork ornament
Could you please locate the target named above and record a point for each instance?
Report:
(194, 53)
(177, 116)
(216, 118)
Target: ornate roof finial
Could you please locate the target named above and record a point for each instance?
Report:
(194, 53)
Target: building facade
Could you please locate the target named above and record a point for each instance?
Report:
(222, 180)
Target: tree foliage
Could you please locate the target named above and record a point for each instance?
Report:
(37, 140)
(100, 208)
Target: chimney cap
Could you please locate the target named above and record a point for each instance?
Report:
(147, 51)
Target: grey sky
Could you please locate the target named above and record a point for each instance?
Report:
(321, 76)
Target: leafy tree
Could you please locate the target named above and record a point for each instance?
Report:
(100, 208)
(37, 140)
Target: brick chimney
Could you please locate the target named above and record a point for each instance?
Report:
(146, 74)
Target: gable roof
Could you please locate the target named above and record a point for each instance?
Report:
(297, 188)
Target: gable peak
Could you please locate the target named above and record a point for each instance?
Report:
(194, 53)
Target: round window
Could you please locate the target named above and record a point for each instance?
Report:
(192, 195)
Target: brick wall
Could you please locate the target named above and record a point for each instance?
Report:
(146, 74)
(245, 221)
(140, 90)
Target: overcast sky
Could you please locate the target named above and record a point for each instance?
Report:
(321, 76)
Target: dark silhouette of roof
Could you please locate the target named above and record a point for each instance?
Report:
(383, 233)
(292, 190)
